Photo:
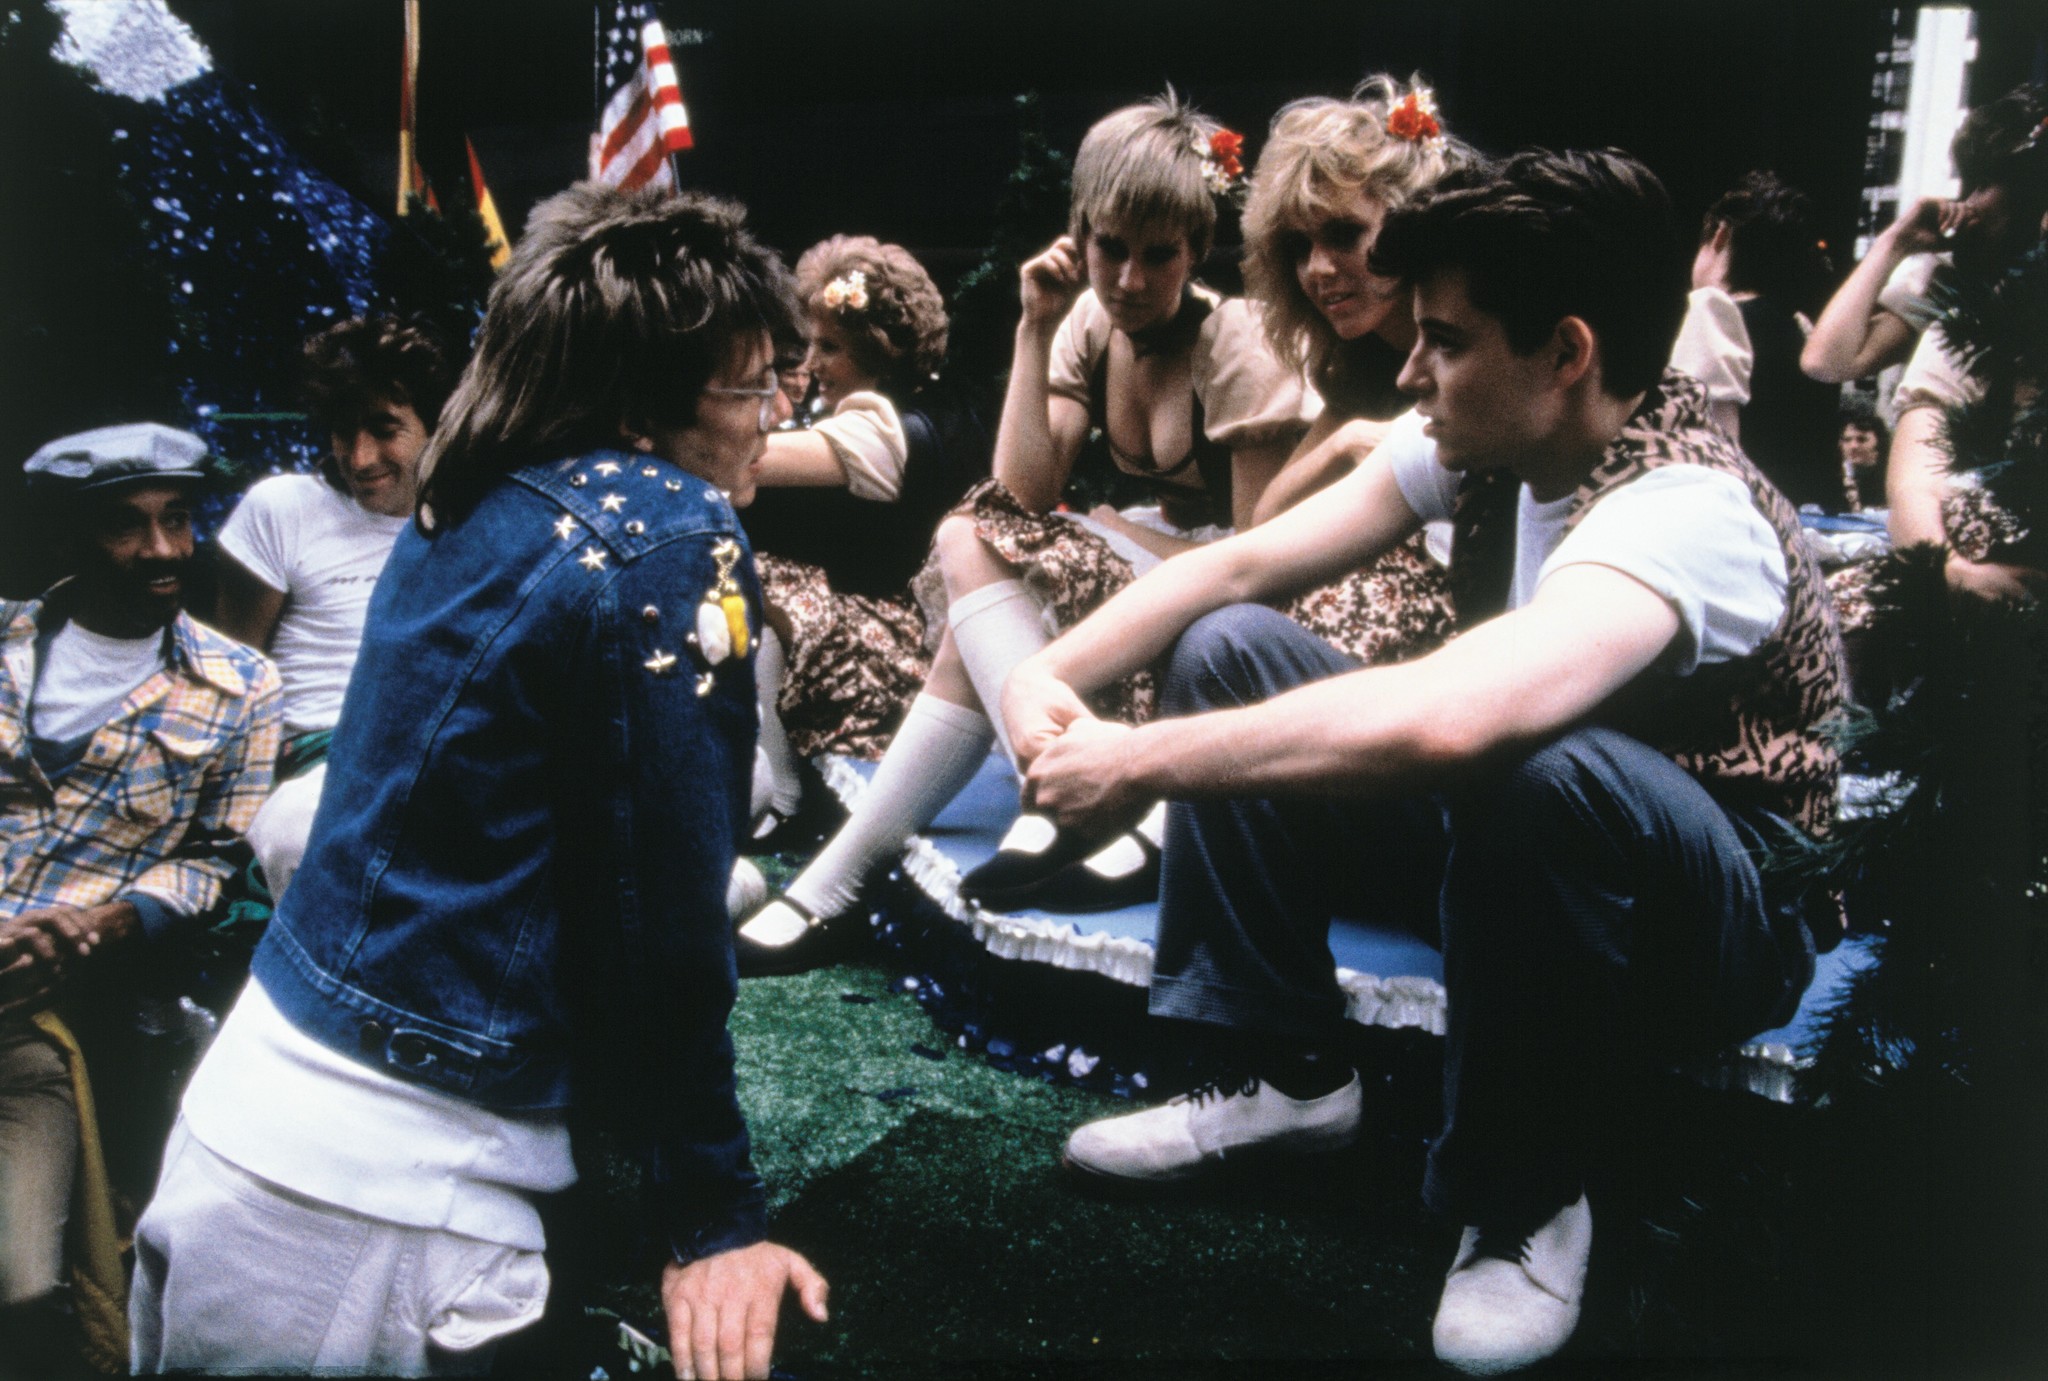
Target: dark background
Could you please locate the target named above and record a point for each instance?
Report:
(897, 118)
(894, 118)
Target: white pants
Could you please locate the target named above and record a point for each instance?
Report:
(235, 1274)
(278, 833)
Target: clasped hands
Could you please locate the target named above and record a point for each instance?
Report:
(1079, 769)
(40, 950)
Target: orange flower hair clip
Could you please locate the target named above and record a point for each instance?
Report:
(1414, 117)
(1221, 167)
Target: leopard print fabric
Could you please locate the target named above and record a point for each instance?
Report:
(1978, 530)
(1071, 569)
(1749, 730)
(853, 662)
(1394, 609)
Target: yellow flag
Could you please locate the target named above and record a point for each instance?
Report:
(501, 246)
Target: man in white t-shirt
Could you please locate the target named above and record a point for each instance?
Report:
(301, 553)
(1570, 796)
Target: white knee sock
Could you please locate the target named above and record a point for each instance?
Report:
(773, 757)
(995, 628)
(936, 753)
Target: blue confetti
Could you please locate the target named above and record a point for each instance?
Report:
(261, 249)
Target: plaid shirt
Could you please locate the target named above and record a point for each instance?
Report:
(163, 787)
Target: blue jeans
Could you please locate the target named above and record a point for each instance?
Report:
(1597, 910)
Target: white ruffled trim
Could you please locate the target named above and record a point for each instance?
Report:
(1767, 1069)
(1395, 1003)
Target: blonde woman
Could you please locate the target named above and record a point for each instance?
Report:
(1329, 175)
(1178, 387)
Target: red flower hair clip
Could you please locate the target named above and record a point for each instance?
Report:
(1414, 117)
(1221, 167)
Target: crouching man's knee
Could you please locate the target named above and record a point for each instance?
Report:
(1242, 654)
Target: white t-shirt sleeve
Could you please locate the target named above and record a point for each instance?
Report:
(1905, 293)
(1082, 337)
(1429, 489)
(1692, 535)
(255, 534)
(1932, 379)
(1713, 346)
(866, 436)
(1248, 397)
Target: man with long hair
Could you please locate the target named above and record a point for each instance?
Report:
(514, 899)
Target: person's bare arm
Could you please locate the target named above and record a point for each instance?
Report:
(1512, 680)
(1313, 466)
(1315, 541)
(1039, 435)
(800, 459)
(247, 609)
(1253, 468)
(1855, 337)
(1916, 479)
(1160, 544)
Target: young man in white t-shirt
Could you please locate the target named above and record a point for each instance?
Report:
(302, 552)
(1571, 795)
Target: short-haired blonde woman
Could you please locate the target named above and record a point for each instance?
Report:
(846, 510)
(1117, 343)
(1329, 174)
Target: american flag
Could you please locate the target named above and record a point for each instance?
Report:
(643, 120)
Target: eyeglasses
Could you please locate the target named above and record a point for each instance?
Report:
(767, 396)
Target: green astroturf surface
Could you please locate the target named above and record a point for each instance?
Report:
(1732, 1237)
(953, 1238)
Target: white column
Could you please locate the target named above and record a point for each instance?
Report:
(1943, 49)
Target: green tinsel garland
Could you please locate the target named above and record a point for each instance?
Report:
(1948, 860)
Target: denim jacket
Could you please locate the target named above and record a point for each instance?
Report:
(515, 887)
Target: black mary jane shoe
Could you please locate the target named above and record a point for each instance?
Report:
(1124, 872)
(1043, 868)
(802, 830)
(788, 939)
(1033, 850)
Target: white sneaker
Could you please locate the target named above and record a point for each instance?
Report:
(1188, 1134)
(1505, 1305)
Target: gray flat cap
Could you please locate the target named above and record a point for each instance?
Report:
(131, 452)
